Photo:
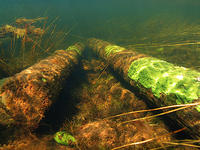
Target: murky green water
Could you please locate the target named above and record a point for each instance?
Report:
(160, 24)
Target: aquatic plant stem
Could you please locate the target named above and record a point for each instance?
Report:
(155, 109)
(148, 140)
(160, 114)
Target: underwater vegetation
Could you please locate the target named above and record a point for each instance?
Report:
(109, 113)
(26, 41)
(162, 83)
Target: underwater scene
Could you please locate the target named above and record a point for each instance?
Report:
(99, 75)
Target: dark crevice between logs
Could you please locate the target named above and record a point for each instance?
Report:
(64, 107)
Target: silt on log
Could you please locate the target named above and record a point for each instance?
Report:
(163, 83)
(28, 94)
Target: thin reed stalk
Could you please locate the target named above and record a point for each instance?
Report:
(148, 140)
(155, 109)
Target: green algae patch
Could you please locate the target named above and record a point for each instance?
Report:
(74, 48)
(44, 80)
(161, 49)
(64, 138)
(113, 49)
(165, 78)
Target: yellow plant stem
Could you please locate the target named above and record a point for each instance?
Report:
(160, 114)
(148, 140)
(155, 109)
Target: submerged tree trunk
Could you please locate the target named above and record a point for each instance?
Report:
(163, 83)
(27, 95)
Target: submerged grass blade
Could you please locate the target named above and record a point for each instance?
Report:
(178, 143)
(182, 144)
(148, 140)
(131, 144)
(160, 114)
(102, 71)
(155, 109)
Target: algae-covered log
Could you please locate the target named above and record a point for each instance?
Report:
(28, 94)
(163, 83)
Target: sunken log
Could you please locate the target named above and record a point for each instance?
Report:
(26, 96)
(163, 83)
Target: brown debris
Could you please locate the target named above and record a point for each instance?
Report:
(31, 142)
(96, 135)
(22, 29)
(29, 21)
